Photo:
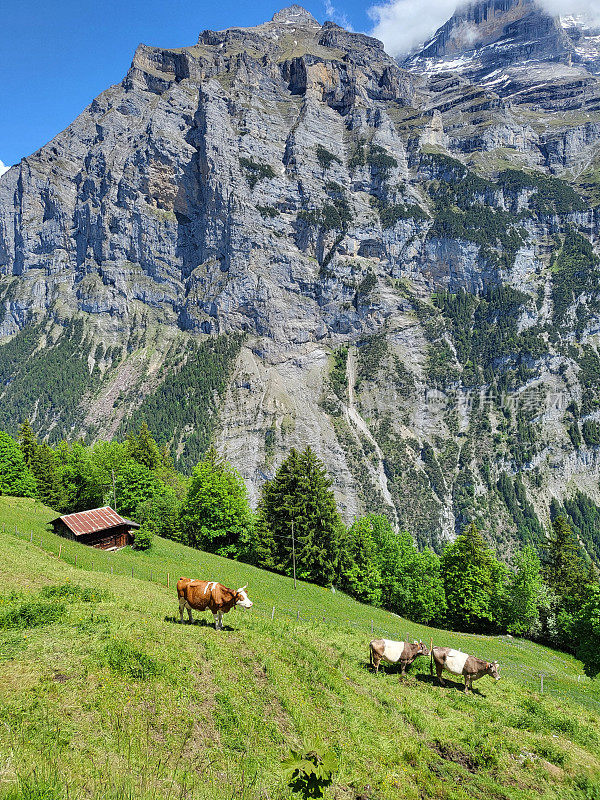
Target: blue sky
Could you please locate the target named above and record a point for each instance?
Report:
(57, 55)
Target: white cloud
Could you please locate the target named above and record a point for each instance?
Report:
(3, 168)
(587, 7)
(335, 15)
(404, 24)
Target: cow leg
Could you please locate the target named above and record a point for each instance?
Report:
(216, 616)
(220, 613)
(438, 670)
(190, 618)
(403, 669)
(181, 607)
(466, 683)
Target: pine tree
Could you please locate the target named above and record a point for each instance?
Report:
(565, 570)
(258, 547)
(359, 571)
(45, 468)
(15, 476)
(524, 593)
(471, 581)
(27, 441)
(300, 495)
(587, 631)
(143, 448)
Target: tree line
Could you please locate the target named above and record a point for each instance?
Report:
(550, 594)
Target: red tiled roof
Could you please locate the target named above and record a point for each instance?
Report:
(98, 519)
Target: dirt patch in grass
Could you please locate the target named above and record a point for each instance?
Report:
(60, 677)
(455, 754)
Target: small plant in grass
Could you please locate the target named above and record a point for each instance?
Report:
(552, 754)
(486, 754)
(125, 659)
(30, 613)
(34, 787)
(309, 772)
(586, 788)
(71, 591)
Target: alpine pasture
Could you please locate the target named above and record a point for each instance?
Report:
(104, 694)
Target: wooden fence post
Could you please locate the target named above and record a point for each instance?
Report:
(111, 569)
(298, 616)
(272, 613)
(30, 536)
(371, 627)
(168, 580)
(132, 572)
(59, 549)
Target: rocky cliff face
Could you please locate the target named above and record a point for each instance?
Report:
(279, 236)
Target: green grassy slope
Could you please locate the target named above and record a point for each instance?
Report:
(113, 699)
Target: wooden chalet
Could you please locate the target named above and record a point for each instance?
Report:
(100, 527)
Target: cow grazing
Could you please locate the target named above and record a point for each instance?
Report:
(394, 652)
(458, 663)
(215, 597)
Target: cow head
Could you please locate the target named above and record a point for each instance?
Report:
(423, 649)
(493, 670)
(241, 598)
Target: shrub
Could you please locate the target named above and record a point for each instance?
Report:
(31, 614)
(325, 158)
(142, 538)
(309, 772)
(124, 659)
(70, 591)
(256, 171)
(267, 211)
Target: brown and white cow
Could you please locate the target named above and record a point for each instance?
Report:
(394, 652)
(458, 663)
(215, 597)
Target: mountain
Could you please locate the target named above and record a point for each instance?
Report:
(584, 34)
(280, 236)
(493, 34)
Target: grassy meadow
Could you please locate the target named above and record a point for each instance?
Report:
(103, 694)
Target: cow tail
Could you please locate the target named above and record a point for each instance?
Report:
(370, 655)
(431, 660)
